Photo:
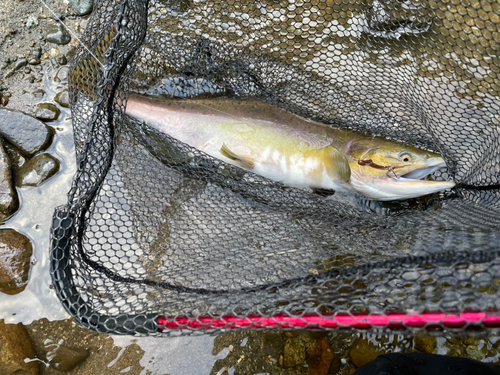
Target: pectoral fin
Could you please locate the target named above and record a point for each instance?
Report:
(336, 164)
(242, 161)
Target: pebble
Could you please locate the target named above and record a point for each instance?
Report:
(4, 100)
(34, 137)
(62, 60)
(294, 353)
(47, 112)
(15, 255)
(34, 60)
(32, 22)
(56, 33)
(9, 74)
(66, 358)
(58, 16)
(62, 74)
(320, 357)
(15, 346)
(425, 344)
(20, 63)
(38, 94)
(4, 65)
(364, 352)
(475, 353)
(36, 170)
(62, 99)
(37, 52)
(81, 7)
(9, 201)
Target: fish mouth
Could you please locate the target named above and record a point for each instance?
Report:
(418, 174)
(392, 187)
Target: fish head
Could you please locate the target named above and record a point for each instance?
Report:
(385, 170)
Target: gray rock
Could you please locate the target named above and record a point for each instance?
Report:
(9, 201)
(47, 112)
(81, 7)
(20, 63)
(34, 60)
(38, 94)
(37, 52)
(4, 65)
(15, 158)
(36, 170)
(62, 74)
(56, 33)
(62, 99)
(32, 22)
(15, 252)
(28, 134)
(10, 73)
(15, 346)
(66, 358)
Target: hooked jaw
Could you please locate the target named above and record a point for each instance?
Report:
(409, 185)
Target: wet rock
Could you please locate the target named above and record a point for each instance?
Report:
(15, 346)
(15, 158)
(62, 74)
(36, 170)
(9, 202)
(34, 137)
(62, 99)
(425, 344)
(364, 352)
(37, 52)
(4, 100)
(81, 7)
(66, 359)
(38, 94)
(34, 60)
(47, 112)
(56, 33)
(15, 255)
(320, 357)
(62, 60)
(294, 353)
(10, 73)
(4, 65)
(20, 63)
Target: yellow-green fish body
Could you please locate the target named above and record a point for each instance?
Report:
(283, 147)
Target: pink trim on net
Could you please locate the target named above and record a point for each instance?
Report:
(391, 321)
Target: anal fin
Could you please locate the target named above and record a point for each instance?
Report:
(243, 161)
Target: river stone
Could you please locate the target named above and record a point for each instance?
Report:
(15, 346)
(9, 202)
(294, 353)
(320, 357)
(81, 7)
(62, 74)
(66, 358)
(364, 352)
(20, 64)
(36, 170)
(62, 99)
(425, 344)
(47, 112)
(15, 158)
(56, 33)
(15, 255)
(28, 134)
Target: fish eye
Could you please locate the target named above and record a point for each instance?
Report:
(405, 156)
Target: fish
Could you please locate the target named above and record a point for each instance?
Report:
(295, 151)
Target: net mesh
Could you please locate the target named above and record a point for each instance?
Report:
(160, 238)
